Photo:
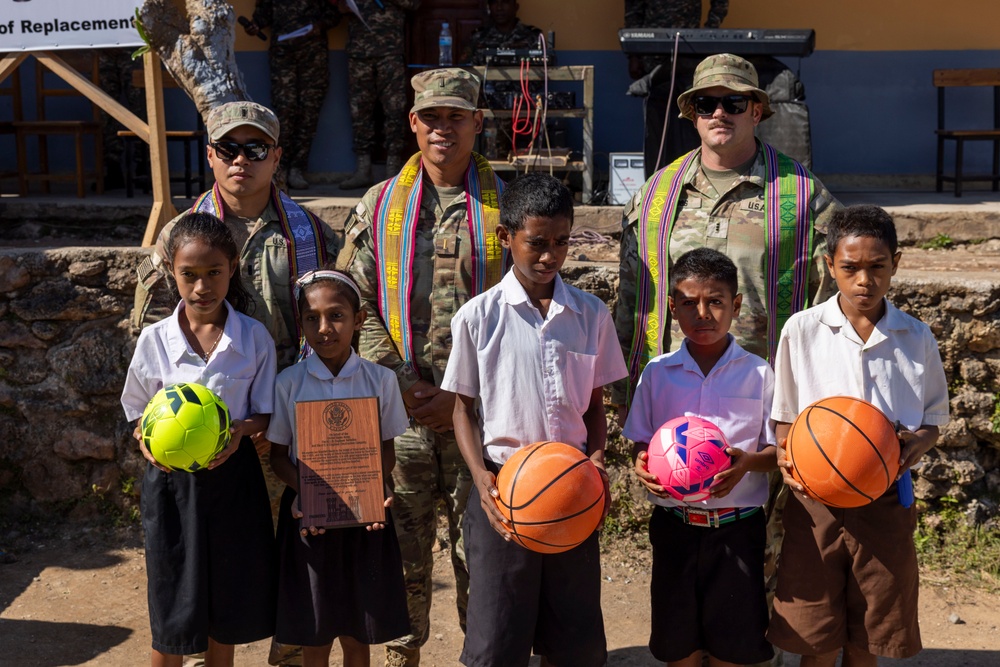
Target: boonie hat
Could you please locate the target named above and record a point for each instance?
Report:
(231, 115)
(728, 71)
(448, 87)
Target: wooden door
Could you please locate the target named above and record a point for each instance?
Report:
(462, 16)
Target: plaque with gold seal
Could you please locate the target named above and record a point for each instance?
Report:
(339, 453)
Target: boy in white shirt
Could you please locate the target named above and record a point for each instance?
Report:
(847, 578)
(707, 585)
(536, 353)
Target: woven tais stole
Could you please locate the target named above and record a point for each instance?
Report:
(657, 214)
(788, 190)
(397, 213)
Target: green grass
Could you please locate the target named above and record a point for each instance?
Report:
(945, 543)
(939, 242)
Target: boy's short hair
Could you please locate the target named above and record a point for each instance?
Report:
(861, 220)
(534, 195)
(705, 264)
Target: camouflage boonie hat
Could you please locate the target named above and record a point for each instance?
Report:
(728, 71)
(231, 115)
(450, 87)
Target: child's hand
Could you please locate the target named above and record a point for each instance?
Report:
(235, 437)
(137, 434)
(912, 446)
(727, 480)
(785, 466)
(388, 503)
(649, 481)
(488, 498)
(297, 514)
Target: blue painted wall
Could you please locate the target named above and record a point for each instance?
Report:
(873, 112)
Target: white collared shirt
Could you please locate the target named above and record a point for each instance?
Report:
(898, 369)
(533, 376)
(241, 370)
(735, 396)
(311, 380)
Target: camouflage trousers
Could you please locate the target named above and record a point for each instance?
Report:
(300, 77)
(429, 472)
(385, 80)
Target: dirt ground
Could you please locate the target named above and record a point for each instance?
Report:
(78, 597)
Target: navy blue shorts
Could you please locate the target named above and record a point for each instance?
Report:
(521, 601)
(707, 589)
(210, 557)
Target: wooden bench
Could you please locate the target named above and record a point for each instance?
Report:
(195, 139)
(48, 85)
(951, 78)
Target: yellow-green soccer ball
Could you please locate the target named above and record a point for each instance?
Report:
(185, 425)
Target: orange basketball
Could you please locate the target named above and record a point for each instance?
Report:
(844, 451)
(552, 494)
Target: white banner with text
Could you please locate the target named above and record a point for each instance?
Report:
(45, 25)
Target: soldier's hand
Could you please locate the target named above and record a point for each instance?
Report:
(488, 498)
(437, 411)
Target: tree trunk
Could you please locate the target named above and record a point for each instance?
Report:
(197, 49)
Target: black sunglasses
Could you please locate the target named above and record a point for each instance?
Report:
(705, 105)
(254, 150)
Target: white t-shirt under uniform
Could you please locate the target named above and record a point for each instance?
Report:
(898, 369)
(532, 375)
(311, 380)
(735, 396)
(241, 369)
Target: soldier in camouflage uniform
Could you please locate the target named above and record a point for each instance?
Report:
(721, 206)
(299, 73)
(658, 106)
(504, 31)
(376, 70)
(429, 468)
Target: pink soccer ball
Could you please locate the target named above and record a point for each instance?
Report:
(686, 454)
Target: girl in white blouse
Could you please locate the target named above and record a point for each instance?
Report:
(209, 536)
(344, 583)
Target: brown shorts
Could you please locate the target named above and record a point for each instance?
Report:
(847, 576)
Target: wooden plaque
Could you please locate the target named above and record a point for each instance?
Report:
(340, 462)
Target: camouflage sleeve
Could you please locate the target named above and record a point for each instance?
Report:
(628, 270)
(329, 15)
(358, 259)
(407, 5)
(635, 13)
(155, 297)
(263, 13)
(334, 241)
(821, 283)
(717, 11)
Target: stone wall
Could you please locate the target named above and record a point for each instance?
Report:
(65, 346)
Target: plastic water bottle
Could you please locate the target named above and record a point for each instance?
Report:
(444, 46)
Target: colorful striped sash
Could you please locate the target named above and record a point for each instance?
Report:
(396, 215)
(303, 235)
(788, 243)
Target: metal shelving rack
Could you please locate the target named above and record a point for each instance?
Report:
(580, 73)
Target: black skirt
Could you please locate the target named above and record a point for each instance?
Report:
(345, 582)
(210, 555)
